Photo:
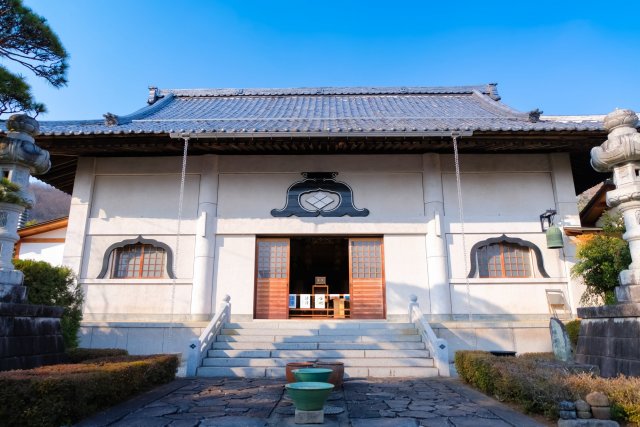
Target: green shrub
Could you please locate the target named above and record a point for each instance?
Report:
(63, 394)
(51, 285)
(599, 260)
(78, 355)
(538, 383)
(573, 329)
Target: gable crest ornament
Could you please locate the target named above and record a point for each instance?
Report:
(319, 194)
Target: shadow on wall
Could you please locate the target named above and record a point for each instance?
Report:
(482, 331)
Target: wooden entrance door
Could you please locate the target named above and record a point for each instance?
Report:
(366, 278)
(272, 279)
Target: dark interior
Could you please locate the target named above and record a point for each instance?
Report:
(319, 256)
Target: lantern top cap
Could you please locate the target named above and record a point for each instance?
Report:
(23, 123)
(620, 118)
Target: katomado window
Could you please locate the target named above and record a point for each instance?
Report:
(504, 260)
(138, 261)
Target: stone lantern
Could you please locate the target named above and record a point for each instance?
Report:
(30, 335)
(620, 153)
(19, 157)
(608, 334)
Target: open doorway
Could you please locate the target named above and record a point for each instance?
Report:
(320, 277)
(313, 257)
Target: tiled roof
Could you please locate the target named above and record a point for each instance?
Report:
(321, 111)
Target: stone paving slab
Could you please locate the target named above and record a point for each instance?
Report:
(396, 402)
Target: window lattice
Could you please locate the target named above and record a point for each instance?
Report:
(366, 259)
(138, 261)
(273, 258)
(504, 260)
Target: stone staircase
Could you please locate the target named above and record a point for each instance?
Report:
(367, 348)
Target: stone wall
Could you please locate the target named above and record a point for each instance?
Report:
(612, 343)
(30, 336)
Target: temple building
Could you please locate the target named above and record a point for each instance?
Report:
(322, 204)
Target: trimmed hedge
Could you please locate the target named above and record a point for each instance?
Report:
(78, 355)
(538, 383)
(64, 394)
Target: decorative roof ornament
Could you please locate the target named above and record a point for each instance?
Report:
(492, 91)
(534, 115)
(154, 94)
(110, 119)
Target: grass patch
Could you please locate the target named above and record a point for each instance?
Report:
(538, 383)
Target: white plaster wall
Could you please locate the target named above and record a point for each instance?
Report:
(503, 297)
(143, 196)
(405, 272)
(234, 272)
(136, 297)
(60, 233)
(499, 197)
(120, 200)
(386, 195)
(505, 194)
(49, 252)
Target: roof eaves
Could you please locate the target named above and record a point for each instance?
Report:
(146, 111)
(498, 107)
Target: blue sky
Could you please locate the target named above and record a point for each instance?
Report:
(563, 57)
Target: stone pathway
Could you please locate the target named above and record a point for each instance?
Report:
(398, 402)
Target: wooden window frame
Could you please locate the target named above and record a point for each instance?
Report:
(522, 259)
(145, 249)
(534, 252)
(107, 271)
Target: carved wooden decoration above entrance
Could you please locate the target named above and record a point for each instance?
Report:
(319, 194)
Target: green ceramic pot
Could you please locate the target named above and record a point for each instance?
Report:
(319, 375)
(309, 396)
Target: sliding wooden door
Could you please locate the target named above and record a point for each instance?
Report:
(366, 278)
(272, 279)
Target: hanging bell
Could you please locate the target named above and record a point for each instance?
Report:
(554, 238)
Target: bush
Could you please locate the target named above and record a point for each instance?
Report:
(64, 394)
(78, 355)
(538, 383)
(533, 382)
(573, 329)
(599, 260)
(623, 392)
(50, 285)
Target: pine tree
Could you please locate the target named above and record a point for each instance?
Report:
(27, 40)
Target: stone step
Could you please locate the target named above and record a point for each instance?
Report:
(222, 345)
(319, 338)
(348, 362)
(382, 372)
(317, 354)
(315, 324)
(315, 332)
